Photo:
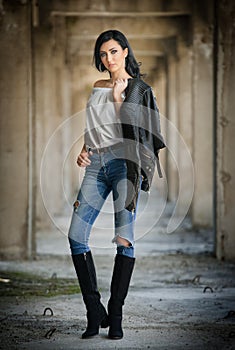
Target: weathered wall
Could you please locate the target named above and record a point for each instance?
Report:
(184, 125)
(172, 115)
(225, 126)
(202, 84)
(52, 93)
(16, 132)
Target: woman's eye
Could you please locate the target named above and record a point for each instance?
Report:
(103, 54)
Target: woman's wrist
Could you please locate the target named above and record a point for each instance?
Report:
(118, 97)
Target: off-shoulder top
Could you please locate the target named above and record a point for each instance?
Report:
(103, 127)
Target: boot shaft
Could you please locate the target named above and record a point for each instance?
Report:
(122, 272)
(85, 270)
(96, 313)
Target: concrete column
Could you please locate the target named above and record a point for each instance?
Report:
(47, 121)
(67, 176)
(225, 124)
(172, 116)
(52, 108)
(184, 111)
(16, 133)
(82, 79)
(202, 207)
(159, 82)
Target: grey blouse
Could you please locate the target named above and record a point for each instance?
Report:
(103, 127)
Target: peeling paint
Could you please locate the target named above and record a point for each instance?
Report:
(224, 121)
(225, 177)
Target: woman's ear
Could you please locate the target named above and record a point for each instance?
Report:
(126, 51)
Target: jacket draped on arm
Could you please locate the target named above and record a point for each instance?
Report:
(141, 129)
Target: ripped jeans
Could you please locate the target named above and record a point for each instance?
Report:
(107, 173)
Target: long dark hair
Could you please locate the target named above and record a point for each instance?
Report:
(132, 67)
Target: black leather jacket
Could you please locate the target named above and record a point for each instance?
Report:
(140, 120)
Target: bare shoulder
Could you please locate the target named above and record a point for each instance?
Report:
(103, 83)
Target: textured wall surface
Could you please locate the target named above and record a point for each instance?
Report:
(47, 74)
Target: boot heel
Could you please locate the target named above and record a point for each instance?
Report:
(105, 322)
(115, 330)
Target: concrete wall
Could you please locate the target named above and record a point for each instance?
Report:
(172, 115)
(16, 133)
(225, 126)
(52, 107)
(202, 84)
(185, 126)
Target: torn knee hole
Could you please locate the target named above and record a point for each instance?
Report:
(124, 242)
(76, 205)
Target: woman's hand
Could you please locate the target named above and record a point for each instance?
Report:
(119, 87)
(83, 158)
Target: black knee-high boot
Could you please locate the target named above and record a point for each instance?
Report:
(96, 313)
(122, 272)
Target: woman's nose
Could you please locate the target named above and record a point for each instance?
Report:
(109, 58)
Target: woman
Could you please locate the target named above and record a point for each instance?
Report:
(110, 161)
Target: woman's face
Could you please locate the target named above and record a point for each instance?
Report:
(113, 56)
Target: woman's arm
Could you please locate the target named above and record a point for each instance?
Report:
(119, 87)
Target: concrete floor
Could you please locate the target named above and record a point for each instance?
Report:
(167, 306)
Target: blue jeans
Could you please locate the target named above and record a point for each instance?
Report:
(107, 173)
